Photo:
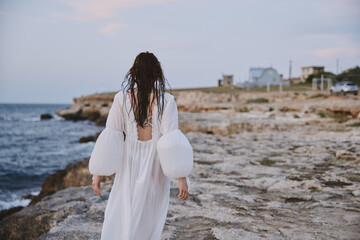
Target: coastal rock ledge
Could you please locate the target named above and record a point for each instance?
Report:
(270, 185)
(93, 107)
(284, 168)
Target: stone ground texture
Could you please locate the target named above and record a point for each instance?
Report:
(283, 185)
(258, 174)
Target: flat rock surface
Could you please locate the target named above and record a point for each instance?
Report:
(271, 185)
(288, 168)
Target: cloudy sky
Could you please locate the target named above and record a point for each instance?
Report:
(54, 50)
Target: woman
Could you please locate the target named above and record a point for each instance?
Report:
(144, 111)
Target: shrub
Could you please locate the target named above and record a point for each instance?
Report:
(322, 114)
(317, 95)
(267, 162)
(243, 110)
(357, 124)
(325, 75)
(258, 100)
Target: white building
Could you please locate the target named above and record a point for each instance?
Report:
(261, 77)
(307, 71)
(227, 80)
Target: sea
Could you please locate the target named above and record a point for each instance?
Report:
(32, 149)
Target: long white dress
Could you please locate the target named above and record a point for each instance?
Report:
(139, 198)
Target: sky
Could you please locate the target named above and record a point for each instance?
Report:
(54, 50)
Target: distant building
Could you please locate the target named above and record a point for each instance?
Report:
(227, 80)
(260, 77)
(307, 71)
(295, 80)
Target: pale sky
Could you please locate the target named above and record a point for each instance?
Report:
(54, 50)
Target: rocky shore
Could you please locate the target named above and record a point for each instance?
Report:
(93, 107)
(280, 166)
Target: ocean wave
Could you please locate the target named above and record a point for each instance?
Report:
(31, 119)
(16, 203)
(18, 119)
(9, 119)
(31, 150)
(15, 199)
(24, 118)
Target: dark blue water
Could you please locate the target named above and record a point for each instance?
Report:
(31, 149)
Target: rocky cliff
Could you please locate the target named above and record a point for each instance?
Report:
(96, 107)
(93, 107)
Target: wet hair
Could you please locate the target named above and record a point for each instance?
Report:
(147, 76)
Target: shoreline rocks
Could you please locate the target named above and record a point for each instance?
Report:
(7, 212)
(16, 225)
(36, 220)
(45, 116)
(89, 138)
(93, 107)
(74, 175)
(96, 107)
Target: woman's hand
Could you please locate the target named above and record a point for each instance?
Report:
(96, 184)
(183, 189)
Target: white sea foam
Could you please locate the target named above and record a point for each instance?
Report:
(15, 199)
(15, 203)
(31, 119)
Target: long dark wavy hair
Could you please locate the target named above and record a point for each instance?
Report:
(147, 76)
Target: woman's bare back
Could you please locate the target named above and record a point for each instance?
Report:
(145, 133)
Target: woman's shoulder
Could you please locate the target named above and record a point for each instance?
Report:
(120, 96)
(169, 101)
(120, 93)
(168, 96)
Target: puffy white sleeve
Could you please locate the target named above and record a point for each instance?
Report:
(108, 153)
(175, 151)
(169, 119)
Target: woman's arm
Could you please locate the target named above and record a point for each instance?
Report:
(96, 184)
(168, 124)
(106, 158)
(183, 189)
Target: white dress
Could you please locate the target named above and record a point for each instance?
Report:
(139, 198)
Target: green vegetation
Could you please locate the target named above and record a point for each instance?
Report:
(296, 116)
(352, 74)
(267, 162)
(224, 89)
(318, 95)
(340, 130)
(287, 109)
(325, 75)
(296, 88)
(243, 110)
(314, 189)
(273, 115)
(339, 117)
(322, 114)
(357, 124)
(258, 100)
(353, 178)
